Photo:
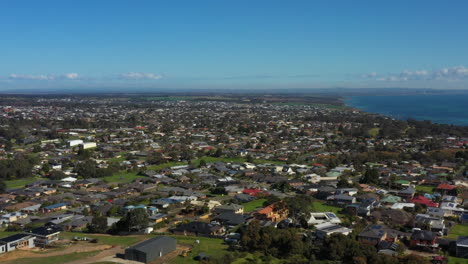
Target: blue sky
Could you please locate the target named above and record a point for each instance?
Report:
(233, 44)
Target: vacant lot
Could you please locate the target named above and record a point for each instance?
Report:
(122, 177)
(252, 205)
(425, 189)
(458, 230)
(210, 246)
(20, 183)
(322, 207)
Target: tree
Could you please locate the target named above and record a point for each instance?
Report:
(46, 168)
(113, 211)
(370, 176)
(282, 186)
(135, 220)
(218, 153)
(300, 205)
(8, 146)
(98, 224)
(37, 148)
(86, 169)
(84, 154)
(202, 163)
(3, 186)
(56, 175)
(155, 158)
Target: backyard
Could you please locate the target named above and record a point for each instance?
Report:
(252, 205)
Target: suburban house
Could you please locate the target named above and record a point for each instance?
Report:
(197, 228)
(234, 208)
(46, 235)
(325, 229)
(462, 247)
(271, 213)
(320, 218)
(407, 194)
(230, 218)
(374, 234)
(54, 207)
(427, 222)
(423, 239)
(17, 241)
(151, 249)
(341, 200)
(425, 201)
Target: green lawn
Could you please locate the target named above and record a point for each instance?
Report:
(121, 158)
(55, 259)
(454, 260)
(6, 233)
(458, 230)
(211, 246)
(20, 183)
(252, 205)
(122, 177)
(374, 132)
(425, 189)
(251, 258)
(107, 240)
(322, 207)
(166, 165)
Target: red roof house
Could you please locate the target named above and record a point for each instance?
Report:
(446, 187)
(252, 192)
(423, 200)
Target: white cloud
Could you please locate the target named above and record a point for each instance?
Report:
(369, 75)
(448, 74)
(40, 77)
(70, 76)
(43, 77)
(140, 76)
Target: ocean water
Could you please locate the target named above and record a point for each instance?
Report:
(442, 109)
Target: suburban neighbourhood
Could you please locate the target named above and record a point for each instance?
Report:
(218, 179)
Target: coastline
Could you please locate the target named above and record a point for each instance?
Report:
(404, 107)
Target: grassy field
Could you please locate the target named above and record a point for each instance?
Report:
(5, 233)
(55, 259)
(322, 207)
(458, 230)
(211, 246)
(20, 183)
(122, 177)
(107, 240)
(454, 260)
(252, 205)
(166, 165)
(373, 132)
(425, 189)
(251, 258)
(121, 158)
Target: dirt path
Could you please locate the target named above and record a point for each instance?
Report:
(38, 253)
(110, 252)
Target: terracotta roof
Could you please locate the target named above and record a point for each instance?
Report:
(445, 186)
(423, 200)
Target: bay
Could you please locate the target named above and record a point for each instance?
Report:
(443, 109)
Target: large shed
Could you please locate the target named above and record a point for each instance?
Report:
(151, 249)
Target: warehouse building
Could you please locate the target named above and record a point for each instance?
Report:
(151, 249)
